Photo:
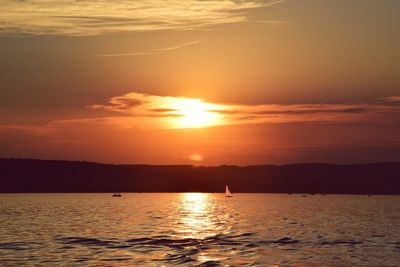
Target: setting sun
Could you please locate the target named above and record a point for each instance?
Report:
(194, 113)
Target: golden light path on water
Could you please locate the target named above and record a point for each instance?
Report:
(195, 216)
(198, 221)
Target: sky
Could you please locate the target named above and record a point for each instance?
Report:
(200, 82)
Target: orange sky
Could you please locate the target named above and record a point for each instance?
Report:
(202, 82)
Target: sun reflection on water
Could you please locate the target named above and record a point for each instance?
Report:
(195, 202)
(195, 217)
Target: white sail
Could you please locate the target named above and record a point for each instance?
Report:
(227, 191)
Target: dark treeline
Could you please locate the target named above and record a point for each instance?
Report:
(27, 175)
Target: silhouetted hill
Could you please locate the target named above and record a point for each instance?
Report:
(27, 175)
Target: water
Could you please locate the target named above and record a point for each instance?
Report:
(194, 229)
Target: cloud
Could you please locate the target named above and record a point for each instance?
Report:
(141, 128)
(152, 106)
(145, 112)
(151, 52)
(92, 17)
(389, 101)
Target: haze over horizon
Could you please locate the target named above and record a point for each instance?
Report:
(200, 82)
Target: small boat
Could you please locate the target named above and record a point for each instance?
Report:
(228, 192)
(117, 195)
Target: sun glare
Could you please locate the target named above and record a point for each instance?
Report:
(195, 113)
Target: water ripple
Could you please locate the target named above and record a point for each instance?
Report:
(202, 230)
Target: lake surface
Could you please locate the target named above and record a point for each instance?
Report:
(195, 229)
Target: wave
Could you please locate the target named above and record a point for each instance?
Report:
(341, 242)
(18, 246)
(184, 251)
(244, 239)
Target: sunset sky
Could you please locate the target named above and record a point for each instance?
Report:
(200, 82)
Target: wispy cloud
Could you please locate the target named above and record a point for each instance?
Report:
(151, 52)
(152, 106)
(91, 17)
(145, 111)
(144, 123)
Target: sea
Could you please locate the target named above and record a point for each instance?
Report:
(199, 229)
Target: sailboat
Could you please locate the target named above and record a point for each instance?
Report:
(228, 192)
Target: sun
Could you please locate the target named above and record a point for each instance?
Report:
(195, 113)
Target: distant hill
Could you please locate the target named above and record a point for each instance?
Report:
(29, 175)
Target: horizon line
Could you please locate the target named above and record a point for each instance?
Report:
(204, 166)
